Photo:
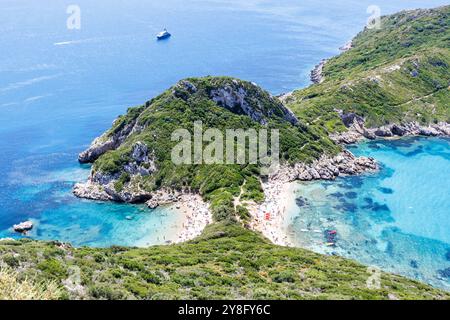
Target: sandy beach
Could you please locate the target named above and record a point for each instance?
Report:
(197, 217)
(270, 217)
(280, 199)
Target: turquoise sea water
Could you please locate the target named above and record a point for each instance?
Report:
(61, 88)
(397, 219)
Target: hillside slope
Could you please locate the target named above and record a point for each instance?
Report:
(133, 159)
(397, 74)
(227, 262)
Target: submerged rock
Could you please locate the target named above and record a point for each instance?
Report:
(414, 264)
(445, 273)
(91, 191)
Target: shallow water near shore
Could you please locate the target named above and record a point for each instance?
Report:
(45, 198)
(60, 88)
(397, 219)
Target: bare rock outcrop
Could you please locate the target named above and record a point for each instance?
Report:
(103, 186)
(92, 191)
(327, 168)
(163, 197)
(108, 142)
(317, 73)
(23, 227)
(357, 130)
(235, 98)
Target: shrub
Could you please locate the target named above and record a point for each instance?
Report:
(13, 287)
(53, 268)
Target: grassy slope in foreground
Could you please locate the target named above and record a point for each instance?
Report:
(227, 262)
(400, 73)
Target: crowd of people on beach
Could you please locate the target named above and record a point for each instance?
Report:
(197, 214)
(270, 217)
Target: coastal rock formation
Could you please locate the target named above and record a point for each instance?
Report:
(163, 197)
(23, 227)
(317, 73)
(97, 148)
(445, 273)
(132, 160)
(357, 130)
(107, 142)
(102, 187)
(412, 129)
(232, 99)
(347, 46)
(327, 168)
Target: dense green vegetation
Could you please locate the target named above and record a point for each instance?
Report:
(399, 73)
(180, 108)
(226, 262)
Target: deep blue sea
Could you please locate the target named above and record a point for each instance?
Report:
(60, 88)
(397, 219)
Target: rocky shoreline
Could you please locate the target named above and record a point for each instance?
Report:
(317, 73)
(357, 130)
(23, 227)
(93, 190)
(347, 46)
(327, 168)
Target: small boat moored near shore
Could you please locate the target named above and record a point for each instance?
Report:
(163, 35)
